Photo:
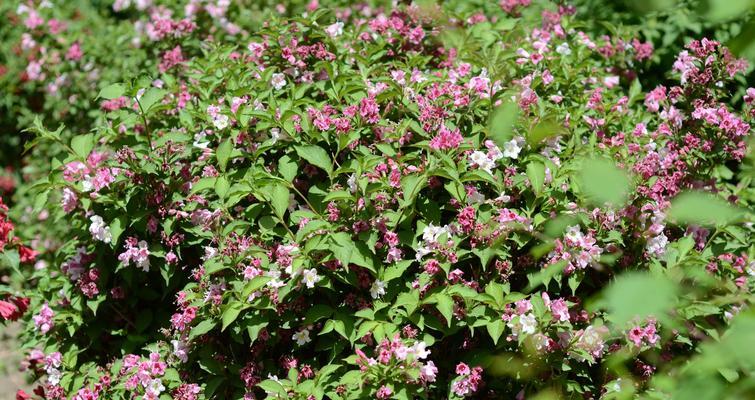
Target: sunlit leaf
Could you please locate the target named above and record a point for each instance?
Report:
(703, 209)
(603, 182)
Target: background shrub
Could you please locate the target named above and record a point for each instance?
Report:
(381, 200)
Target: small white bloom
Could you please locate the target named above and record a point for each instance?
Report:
(657, 244)
(563, 49)
(377, 289)
(335, 29)
(87, 185)
(180, 350)
(573, 234)
(402, 352)
(274, 283)
(432, 233)
(275, 134)
(302, 337)
(352, 182)
(526, 324)
(481, 160)
(512, 148)
(310, 277)
(278, 81)
(220, 122)
(99, 230)
(420, 350)
(422, 251)
(155, 386)
(475, 197)
(200, 140)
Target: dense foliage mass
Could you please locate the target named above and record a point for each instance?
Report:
(342, 200)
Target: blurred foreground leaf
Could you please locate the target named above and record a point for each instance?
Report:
(603, 182)
(703, 209)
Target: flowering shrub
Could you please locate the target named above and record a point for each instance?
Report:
(405, 202)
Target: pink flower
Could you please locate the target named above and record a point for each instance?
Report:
(446, 139)
(74, 52)
(43, 320)
(384, 392)
(69, 200)
(171, 58)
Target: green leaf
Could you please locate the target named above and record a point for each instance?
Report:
(724, 10)
(501, 125)
(287, 168)
(231, 313)
(221, 186)
(543, 130)
(150, 97)
(316, 156)
(117, 226)
(445, 305)
(411, 186)
(603, 182)
(83, 145)
(536, 175)
(495, 329)
(223, 153)
(113, 91)
(11, 259)
(703, 209)
(639, 295)
(272, 387)
(202, 328)
(279, 199)
(255, 284)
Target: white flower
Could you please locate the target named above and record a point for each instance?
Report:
(503, 197)
(155, 387)
(422, 251)
(573, 235)
(87, 185)
(563, 49)
(657, 244)
(335, 29)
(200, 140)
(99, 230)
(352, 182)
(428, 371)
(377, 289)
(402, 352)
(220, 122)
(420, 351)
(480, 160)
(209, 252)
(302, 337)
(275, 283)
(475, 197)
(53, 376)
(432, 233)
(180, 350)
(512, 148)
(525, 324)
(278, 81)
(310, 277)
(275, 134)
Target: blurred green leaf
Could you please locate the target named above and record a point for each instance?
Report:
(703, 209)
(603, 182)
(638, 295)
(501, 125)
(724, 10)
